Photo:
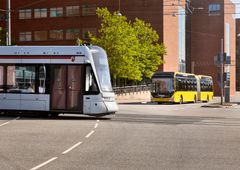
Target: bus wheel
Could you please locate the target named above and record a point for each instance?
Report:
(207, 98)
(195, 99)
(181, 100)
(54, 114)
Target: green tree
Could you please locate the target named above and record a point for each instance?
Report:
(2, 37)
(132, 48)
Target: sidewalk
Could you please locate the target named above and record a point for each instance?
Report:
(216, 102)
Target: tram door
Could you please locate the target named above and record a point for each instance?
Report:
(67, 87)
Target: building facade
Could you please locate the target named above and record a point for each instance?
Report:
(238, 54)
(212, 30)
(62, 22)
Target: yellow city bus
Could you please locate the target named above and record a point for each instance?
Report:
(205, 88)
(180, 87)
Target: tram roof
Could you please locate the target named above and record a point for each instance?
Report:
(43, 50)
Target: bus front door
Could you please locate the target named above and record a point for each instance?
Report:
(67, 88)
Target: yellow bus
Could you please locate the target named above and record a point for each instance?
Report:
(205, 88)
(180, 87)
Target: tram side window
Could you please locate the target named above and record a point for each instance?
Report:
(91, 84)
(42, 80)
(1, 79)
(21, 79)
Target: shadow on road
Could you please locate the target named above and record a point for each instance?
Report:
(151, 103)
(31, 116)
(177, 120)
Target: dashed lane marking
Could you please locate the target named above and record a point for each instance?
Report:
(71, 148)
(96, 125)
(88, 135)
(44, 163)
(9, 121)
(4, 124)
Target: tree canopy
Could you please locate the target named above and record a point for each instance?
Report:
(2, 37)
(132, 47)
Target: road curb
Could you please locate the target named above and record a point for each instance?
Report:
(225, 105)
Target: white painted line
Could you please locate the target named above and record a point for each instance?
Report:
(17, 118)
(88, 135)
(74, 146)
(96, 125)
(9, 121)
(4, 124)
(44, 163)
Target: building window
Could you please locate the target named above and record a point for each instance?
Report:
(72, 10)
(88, 10)
(72, 34)
(25, 14)
(56, 12)
(85, 32)
(56, 34)
(40, 13)
(214, 9)
(25, 36)
(40, 35)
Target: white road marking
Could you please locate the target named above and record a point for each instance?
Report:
(4, 124)
(88, 135)
(17, 118)
(96, 125)
(9, 121)
(74, 146)
(44, 163)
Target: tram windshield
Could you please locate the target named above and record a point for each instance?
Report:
(101, 64)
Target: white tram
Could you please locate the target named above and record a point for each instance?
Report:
(56, 79)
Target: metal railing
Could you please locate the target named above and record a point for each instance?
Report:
(132, 89)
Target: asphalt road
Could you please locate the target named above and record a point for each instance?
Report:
(138, 137)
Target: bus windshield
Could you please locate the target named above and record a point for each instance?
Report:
(164, 85)
(102, 68)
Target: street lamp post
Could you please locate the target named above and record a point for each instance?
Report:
(119, 8)
(8, 24)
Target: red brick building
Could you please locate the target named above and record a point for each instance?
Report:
(211, 21)
(238, 54)
(61, 22)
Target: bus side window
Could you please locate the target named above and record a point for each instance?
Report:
(178, 84)
(90, 82)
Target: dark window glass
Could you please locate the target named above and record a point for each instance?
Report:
(90, 82)
(25, 14)
(21, 79)
(40, 13)
(72, 11)
(56, 34)
(25, 36)
(88, 10)
(40, 35)
(56, 12)
(72, 34)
